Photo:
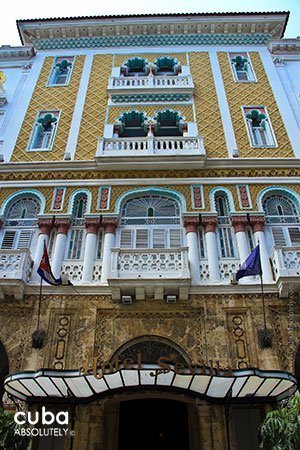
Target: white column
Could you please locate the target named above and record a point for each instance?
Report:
(45, 226)
(259, 235)
(92, 226)
(210, 224)
(60, 245)
(109, 242)
(239, 224)
(191, 224)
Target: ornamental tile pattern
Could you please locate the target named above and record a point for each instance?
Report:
(150, 40)
(120, 59)
(150, 111)
(254, 94)
(207, 107)
(93, 118)
(46, 191)
(61, 98)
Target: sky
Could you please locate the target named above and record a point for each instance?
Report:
(35, 9)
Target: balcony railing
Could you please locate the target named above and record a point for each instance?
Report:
(150, 263)
(150, 146)
(286, 266)
(181, 83)
(15, 268)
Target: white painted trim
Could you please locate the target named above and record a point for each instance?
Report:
(276, 189)
(69, 75)
(72, 199)
(228, 195)
(150, 182)
(23, 193)
(282, 101)
(239, 196)
(79, 106)
(62, 200)
(223, 105)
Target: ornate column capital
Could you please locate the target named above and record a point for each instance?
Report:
(239, 222)
(62, 224)
(45, 225)
(209, 223)
(109, 224)
(92, 224)
(257, 223)
(191, 223)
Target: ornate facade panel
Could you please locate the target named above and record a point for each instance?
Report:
(93, 118)
(207, 106)
(120, 59)
(61, 329)
(231, 188)
(115, 328)
(254, 94)
(150, 111)
(61, 98)
(95, 175)
(46, 191)
(237, 327)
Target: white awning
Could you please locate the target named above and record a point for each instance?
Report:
(249, 385)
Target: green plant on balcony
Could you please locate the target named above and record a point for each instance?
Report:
(47, 121)
(281, 427)
(63, 65)
(8, 439)
(257, 118)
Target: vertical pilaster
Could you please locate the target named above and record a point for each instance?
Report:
(239, 224)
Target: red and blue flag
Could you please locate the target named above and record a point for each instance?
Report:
(45, 271)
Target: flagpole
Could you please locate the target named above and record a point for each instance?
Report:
(263, 301)
(39, 305)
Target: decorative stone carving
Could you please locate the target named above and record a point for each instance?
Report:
(92, 224)
(60, 342)
(191, 224)
(209, 223)
(236, 326)
(62, 225)
(109, 225)
(257, 223)
(239, 223)
(45, 225)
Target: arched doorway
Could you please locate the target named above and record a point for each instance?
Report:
(151, 418)
(4, 369)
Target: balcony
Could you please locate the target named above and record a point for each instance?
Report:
(150, 271)
(167, 152)
(286, 266)
(15, 269)
(179, 84)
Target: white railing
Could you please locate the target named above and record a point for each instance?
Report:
(97, 272)
(73, 268)
(150, 146)
(15, 264)
(150, 263)
(159, 82)
(286, 261)
(227, 268)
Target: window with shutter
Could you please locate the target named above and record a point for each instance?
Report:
(8, 240)
(142, 239)
(126, 238)
(24, 239)
(159, 238)
(278, 236)
(175, 237)
(294, 233)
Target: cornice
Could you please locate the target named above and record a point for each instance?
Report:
(285, 46)
(163, 29)
(8, 53)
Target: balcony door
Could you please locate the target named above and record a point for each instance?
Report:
(150, 222)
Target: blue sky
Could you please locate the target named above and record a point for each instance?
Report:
(32, 9)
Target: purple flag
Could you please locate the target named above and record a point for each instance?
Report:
(251, 266)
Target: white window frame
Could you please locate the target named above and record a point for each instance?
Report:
(201, 240)
(36, 128)
(150, 230)
(249, 71)
(54, 71)
(269, 133)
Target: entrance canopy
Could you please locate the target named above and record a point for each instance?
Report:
(249, 385)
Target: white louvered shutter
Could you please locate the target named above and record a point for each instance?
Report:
(24, 239)
(126, 239)
(8, 240)
(278, 236)
(159, 238)
(142, 238)
(294, 233)
(175, 238)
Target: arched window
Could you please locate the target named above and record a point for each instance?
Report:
(75, 247)
(282, 217)
(166, 65)
(20, 223)
(135, 67)
(169, 123)
(225, 240)
(131, 124)
(152, 221)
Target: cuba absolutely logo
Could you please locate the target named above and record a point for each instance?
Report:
(44, 419)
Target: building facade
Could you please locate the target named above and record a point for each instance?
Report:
(151, 154)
